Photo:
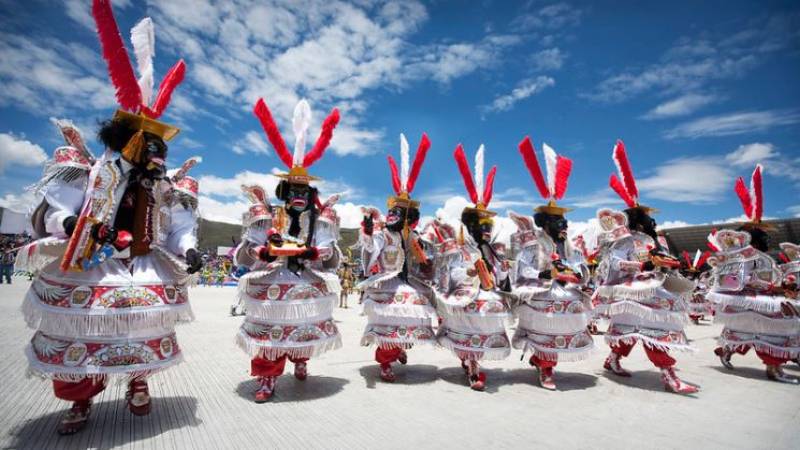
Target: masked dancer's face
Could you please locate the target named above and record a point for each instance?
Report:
(556, 228)
(395, 218)
(298, 198)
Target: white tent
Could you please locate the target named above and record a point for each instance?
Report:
(12, 222)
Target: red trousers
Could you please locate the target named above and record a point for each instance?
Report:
(262, 367)
(386, 356)
(80, 391)
(767, 359)
(542, 363)
(659, 358)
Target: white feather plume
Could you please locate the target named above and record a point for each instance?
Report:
(300, 124)
(404, 160)
(697, 256)
(479, 170)
(144, 47)
(550, 159)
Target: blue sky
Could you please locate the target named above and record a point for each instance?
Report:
(699, 91)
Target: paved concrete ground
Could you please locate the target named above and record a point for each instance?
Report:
(206, 402)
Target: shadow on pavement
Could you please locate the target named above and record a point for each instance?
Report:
(649, 380)
(289, 389)
(565, 381)
(751, 373)
(110, 425)
(410, 374)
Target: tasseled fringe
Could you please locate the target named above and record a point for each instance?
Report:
(551, 323)
(331, 280)
(53, 171)
(404, 344)
(648, 314)
(751, 322)
(764, 347)
(46, 251)
(114, 374)
(264, 349)
(530, 293)
(180, 276)
(375, 281)
(758, 303)
(123, 323)
(289, 310)
(631, 339)
(622, 291)
(475, 323)
(472, 353)
(375, 309)
(551, 354)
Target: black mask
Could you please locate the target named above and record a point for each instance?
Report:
(397, 217)
(297, 197)
(639, 220)
(480, 230)
(554, 225)
(153, 157)
(759, 238)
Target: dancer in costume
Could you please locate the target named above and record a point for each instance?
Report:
(549, 275)
(292, 288)
(790, 266)
(756, 300)
(638, 285)
(116, 244)
(472, 280)
(398, 298)
(698, 271)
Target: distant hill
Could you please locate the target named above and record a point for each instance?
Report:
(215, 234)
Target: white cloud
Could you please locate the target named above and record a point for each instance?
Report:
(252, 142)
(794, 210)
(18, 151)
(22, 203)
(742, 122)
(81, 11)
(551, 17)
(681, 106)
(751, 154)
(524, 89)
(696, 63)
(693, 180)
(548, 59)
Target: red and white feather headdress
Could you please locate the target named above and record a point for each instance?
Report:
(752, 199)
(480, 193)
(625, 184)
(299, 161)
(134, 95)
(404, 180)
(559, 169)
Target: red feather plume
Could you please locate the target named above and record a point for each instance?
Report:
(563, 170)
(171, 80)
(703, 258)
(466, 174)
(396, 185)
(617, 186)
(129, 95)
(744, 197)
(529, 156)
(324, 139)
(625, 171)
(758, 194)
(273, 134)
(419, 159)
(687, 258)
(783, 258)
(712, 247)
(488, 189)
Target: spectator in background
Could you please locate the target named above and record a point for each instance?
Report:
(7, 263)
